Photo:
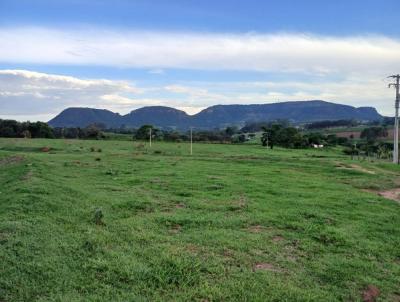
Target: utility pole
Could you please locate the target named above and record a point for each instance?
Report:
(396, 119)
(191, 140)
(150, 136)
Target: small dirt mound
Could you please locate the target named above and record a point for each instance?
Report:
(370, 294)
(45, 149)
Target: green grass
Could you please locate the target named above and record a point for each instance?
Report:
(177, 227)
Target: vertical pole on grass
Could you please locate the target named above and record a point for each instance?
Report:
(396, 120)
(150, 136)
(191, 140)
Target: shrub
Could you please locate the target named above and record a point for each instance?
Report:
(98, 217)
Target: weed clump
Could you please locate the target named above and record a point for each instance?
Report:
(111, 172)
(92, 149)
(98, 217)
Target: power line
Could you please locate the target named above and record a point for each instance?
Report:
(396, 118)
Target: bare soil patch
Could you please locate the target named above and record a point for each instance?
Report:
(353, 167)
(277, 238)
(27, 176)
(393, 194)
(255, 228)
(11, 160)
(264, 266)
(370, 294)
(175, 229)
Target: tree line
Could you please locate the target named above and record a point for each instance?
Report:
(277, 133)
(12, 128)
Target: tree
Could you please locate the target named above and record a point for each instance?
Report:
(92, 131)
(40, 130)
(271, 135)
(231, 130)
(143, 132)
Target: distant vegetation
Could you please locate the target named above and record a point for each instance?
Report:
(331, 124)
(372, 139)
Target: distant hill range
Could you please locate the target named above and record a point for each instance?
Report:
(218, 116)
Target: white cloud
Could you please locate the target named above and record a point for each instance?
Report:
(212, 51)
(25, 92)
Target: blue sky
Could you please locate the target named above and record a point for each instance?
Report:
(188, 54)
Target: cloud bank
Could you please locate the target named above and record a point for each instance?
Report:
(157, 50)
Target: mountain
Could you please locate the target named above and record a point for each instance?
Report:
(81, 117)
(164, 117)
(215, 116)
(297, 112)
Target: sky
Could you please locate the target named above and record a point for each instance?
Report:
(188, 54)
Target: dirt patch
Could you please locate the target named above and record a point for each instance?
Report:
(263, 266)
(393, 194)
(370, 294)
(255, 228)
(11, 160)
(277, 238)
(239, 204)
(45, 149)
(395, 298)
(175, 229)
(180, 206)
(27, 176)
(353, 167)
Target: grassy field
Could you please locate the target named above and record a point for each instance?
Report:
(230, 223)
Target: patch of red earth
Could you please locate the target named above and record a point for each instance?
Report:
(393, 194)
(11, 160)
(265, 267)
(45, 149)
(370, 294)
(277, 238)
(192, 248)
(228, 253)
(255, 228)
(175, 229)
